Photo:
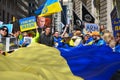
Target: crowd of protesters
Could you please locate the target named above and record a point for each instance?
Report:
(44, 35)
(102, 37)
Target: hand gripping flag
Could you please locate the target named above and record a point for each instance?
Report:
(51, 7)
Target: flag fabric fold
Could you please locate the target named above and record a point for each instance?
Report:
(35, 62)
(51, 7)
(39, 10)
(92, 62)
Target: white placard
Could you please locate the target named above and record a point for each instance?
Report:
(8, 43)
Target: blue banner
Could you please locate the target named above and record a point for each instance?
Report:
(116, 26)
(27, 23)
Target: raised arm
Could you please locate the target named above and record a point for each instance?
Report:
(62, 35)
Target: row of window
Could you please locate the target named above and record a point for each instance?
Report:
(7, 3)
(5, 17)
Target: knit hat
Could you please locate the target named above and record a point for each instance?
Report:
(95, 33)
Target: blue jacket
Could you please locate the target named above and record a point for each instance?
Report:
(100, 42)
(58, 40)
(117, 48)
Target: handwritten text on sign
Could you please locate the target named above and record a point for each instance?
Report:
(89, 27)
(27, 23)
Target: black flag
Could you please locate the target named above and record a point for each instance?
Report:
(86, 16)
(77, 22)
(64, 15)
(114, 13)
(76, 17)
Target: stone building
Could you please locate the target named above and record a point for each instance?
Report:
(99, 9)
(13, 10)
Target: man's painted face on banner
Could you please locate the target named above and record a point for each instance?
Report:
(41, 22)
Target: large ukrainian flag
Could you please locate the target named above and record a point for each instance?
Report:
(51, 7)
(35, 62)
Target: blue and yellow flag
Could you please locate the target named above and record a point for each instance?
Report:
(37, 62)
(51, 7)
(39, 10)
(92, 62)
(27, 23)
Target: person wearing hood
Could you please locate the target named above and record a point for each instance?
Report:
(4, 31)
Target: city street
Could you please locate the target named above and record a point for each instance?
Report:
(60, 40)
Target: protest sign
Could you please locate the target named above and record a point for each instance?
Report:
(27, 23)
(8, 43)
(116, 26)
(90, 27)
(28, 40)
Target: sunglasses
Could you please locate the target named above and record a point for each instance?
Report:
(5, 30)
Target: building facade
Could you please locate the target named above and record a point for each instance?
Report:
(65, 17)
(7, 10)
(13, 10)
(100, 10)
(77, 7)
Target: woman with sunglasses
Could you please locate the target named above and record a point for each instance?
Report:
(4, 31)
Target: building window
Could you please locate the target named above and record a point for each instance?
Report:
(36, 1)
(8, 4)
(31, 5)
(8, 20)
(0, 15)
(3, 16)
(0, 12)
(118, 7)
(4, 2)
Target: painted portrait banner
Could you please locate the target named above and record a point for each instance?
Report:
(48, 22)
(27, 23)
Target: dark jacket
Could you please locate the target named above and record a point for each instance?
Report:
(46, 39)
